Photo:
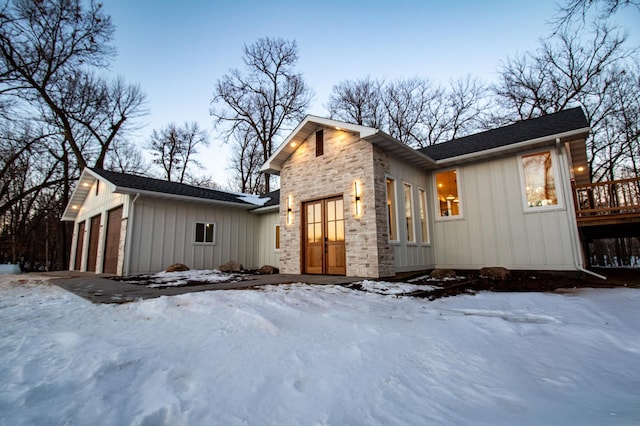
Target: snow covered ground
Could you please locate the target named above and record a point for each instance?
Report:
(299, 354)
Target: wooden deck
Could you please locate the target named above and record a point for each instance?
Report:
(608, 203)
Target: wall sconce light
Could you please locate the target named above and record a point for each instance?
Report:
(289, 210)
(356, 191)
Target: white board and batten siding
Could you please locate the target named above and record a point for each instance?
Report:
(164, 233)
(268, 254)
(495, 229)
(94, 205)
(418, 255)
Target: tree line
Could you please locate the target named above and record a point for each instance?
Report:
(61, 110)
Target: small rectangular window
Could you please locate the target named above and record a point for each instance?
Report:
(319, 143)
(391, 209)
(424, 227)
(539, 180)
(408, 213)
(447, 191)
(277, 237)
(205, 233)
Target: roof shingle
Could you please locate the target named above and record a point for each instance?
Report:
(141, 183)
(546, 125)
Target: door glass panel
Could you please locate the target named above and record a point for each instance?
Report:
(339, 209)
(331, 228)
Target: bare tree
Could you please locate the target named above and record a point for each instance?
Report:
(414, 111)
(578, 9)
(125, 157)
(264, 98)
(50, 54)
(358, 102)
(173, 149)
(245, 165)
(570, 71)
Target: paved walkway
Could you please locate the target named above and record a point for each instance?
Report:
(101, 289)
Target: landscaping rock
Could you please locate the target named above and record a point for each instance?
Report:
(177, 267)
(268, 269)
(439, 274)
(496, 273)
(231, 266)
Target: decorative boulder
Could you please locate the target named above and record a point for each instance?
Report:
(232, 266)
(177, 267)
(439, 274)
(268, 269)
(495, 273)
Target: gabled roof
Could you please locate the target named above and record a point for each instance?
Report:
(124, 183)
(567, 125)
(312, 123)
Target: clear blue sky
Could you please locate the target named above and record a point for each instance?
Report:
(176, 50)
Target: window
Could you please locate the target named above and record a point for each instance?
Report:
(391, 209)
(423, 215)
(408, 213)
(319, 143)
(277, 237)
(539, 180)
(205, 233)
(447, 190)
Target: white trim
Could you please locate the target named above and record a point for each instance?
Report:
(556, 179)
(204, 243)
(422, 197)
(460, 214)
(276, 238)
(406, 185)
(394, 206)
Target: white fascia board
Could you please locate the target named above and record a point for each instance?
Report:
(78, 195)
(164, 195)
(513, 147)
(267, 209)
(274, 163)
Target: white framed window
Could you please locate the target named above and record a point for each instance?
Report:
(205, 233)
(539, 180)
(424, 224)
(392, 208)
(448, 200)
(277, 237)
(408, 212)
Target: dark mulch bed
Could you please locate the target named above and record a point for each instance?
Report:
(470, 282)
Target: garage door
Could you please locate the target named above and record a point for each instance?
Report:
(94, 234)
(112, 242)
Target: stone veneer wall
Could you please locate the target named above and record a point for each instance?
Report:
(305, 177)
(381, 165)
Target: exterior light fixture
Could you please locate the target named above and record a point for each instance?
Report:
(580, 169)
(356, 191)
(289, 210)
(293, 145)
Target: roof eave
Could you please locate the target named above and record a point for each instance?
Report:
(516, 147)
(164, 195)
(401, 150)
(303, 130)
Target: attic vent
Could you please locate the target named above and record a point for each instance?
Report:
(319, 143)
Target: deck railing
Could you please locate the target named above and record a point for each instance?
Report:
(602, 200)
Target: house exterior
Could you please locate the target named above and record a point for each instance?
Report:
(354, 201)
(127, 225)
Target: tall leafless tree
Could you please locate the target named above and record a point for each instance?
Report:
(358, 102)
(413, 110)
(53, 54)
(264, 98)
(173, 149)
(570, 70)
